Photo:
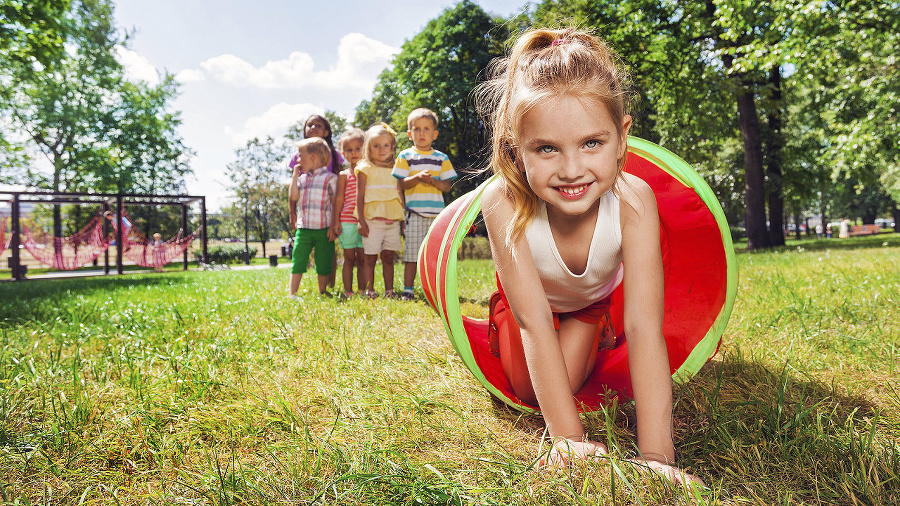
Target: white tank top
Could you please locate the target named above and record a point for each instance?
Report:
(566, 291)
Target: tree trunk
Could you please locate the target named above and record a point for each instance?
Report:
(755, 215)
(773, 158)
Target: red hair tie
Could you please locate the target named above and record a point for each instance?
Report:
(560, 41)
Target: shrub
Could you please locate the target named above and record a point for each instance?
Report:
(224, 254)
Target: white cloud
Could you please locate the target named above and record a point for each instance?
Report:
(137, 68)
(360, 60)
(275, 121)
(190, 76)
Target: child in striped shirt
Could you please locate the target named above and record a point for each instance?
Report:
(311, 198)
(350, 145)
(425, 174)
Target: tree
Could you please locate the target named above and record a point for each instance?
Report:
(30, 30)
(439, 68)
(97, 131)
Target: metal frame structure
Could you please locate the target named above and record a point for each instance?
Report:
(16, 198)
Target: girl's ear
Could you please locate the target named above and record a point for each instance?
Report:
(623, 142)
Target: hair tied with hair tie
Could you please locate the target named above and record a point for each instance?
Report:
(388, 128)
(560, 41)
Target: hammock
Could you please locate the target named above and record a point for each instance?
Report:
(65, 253)
(145, 253)
(4, 243)
(700, 276)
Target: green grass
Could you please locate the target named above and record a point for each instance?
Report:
(213, 388)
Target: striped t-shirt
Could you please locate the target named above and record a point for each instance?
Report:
(348, 211)
(423, 198)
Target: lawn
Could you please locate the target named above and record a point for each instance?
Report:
(214, 388)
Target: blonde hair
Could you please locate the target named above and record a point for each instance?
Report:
(419, 113)
(374, 131)
(316, 146)
(544, 64)
(353, 134)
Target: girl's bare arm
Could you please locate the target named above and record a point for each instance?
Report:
(339, 203)
(648, 358)
(360, 204)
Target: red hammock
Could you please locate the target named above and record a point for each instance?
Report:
(3, 242)
(145, 253)
(65, 253)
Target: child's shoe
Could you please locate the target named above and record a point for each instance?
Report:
(407, 296)
(370, 294)
(389, 294)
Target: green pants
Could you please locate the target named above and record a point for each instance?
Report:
(305, 242)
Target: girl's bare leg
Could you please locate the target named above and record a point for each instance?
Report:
(387, 269)
(347, 270)
(370, 272)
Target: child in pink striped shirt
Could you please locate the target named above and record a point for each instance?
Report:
(350, 145)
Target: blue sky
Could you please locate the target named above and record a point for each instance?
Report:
(251, 69)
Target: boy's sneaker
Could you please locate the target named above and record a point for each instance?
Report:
(407, 296)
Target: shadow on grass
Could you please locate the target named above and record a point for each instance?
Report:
(38, 300)
(752, 426)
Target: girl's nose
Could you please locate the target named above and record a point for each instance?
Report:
(570, 168)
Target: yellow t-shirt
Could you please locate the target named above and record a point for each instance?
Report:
(382, 194)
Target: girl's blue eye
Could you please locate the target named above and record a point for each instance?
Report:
(593, 143)
(545, 149)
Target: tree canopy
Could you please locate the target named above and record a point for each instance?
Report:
(438, 68)
(96, 130)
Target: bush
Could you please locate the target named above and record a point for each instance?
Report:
(737, 233)
(225, 254)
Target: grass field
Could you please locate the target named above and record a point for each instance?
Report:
(214, 388)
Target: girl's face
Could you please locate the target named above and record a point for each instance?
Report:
(381, 150)
(570, 151)
(315, 128)
(352, 151)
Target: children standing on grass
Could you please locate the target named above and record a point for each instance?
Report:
(424, 174)
(351, 146)
(566, 226)
(379, 207)
(311, 199)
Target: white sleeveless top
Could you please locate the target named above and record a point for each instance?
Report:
(569, 292)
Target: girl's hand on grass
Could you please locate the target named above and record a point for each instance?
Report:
(565, 451)
(671, 473)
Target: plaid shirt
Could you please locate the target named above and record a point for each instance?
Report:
(317, 191)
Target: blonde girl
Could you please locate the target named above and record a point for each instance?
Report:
(379, 207)
(566, 227)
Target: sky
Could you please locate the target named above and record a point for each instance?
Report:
(252, 69)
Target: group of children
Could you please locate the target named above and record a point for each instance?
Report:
(368, 204)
